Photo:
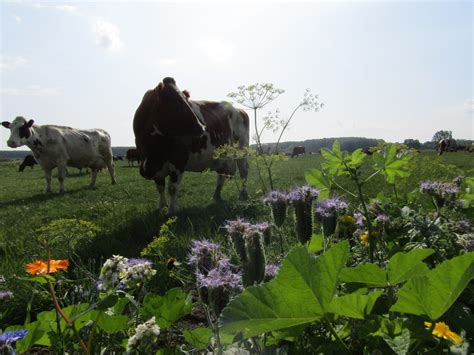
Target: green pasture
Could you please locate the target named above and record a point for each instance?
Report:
(126, 213)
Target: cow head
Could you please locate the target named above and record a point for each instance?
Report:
(20, 131)
(169, 114)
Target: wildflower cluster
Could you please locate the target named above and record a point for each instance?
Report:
(278, 203)
(248, 240)
(217, 279)
(223, 275)
(121, 272)
(146, 335)
(441, 191)
(203, 255)
(326, 211)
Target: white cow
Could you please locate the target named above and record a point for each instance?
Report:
(57, 146)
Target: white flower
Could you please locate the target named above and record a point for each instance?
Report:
(146, 335)
(111, 271)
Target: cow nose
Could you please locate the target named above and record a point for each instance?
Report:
(11, 144)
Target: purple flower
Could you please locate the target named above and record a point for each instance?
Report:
(275, 197)
(271, 270)
(13, 336)
(439, 189)
(359, 219)
(238, 226)
(202, 249)
(133, 262)
(330, 207)
(263, 226)
(358, 232)
(6, 295)
(222, 276)
(382, 218)
(304, 193)
(463, 226)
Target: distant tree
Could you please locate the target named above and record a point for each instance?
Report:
(412, 143)
(438, 136)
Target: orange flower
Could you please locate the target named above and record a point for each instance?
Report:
(441, 330)
(39, 267)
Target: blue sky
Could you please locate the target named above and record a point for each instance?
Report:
(390, 70)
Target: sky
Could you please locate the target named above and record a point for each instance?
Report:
(383, 69)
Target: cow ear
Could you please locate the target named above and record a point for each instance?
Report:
(30, 123)
(6, 124)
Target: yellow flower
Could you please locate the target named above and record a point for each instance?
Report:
(441, 330)
(39, 267)
(364, 238)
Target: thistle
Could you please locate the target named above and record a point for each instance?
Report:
(278, 203)
(220, 283)
(247, 240)
(327, 212)
(302, 200)
(254, 267)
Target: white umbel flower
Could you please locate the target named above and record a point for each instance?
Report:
(146, 335)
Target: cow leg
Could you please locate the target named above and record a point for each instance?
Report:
(243, 166)
(175, 180)
(160, 186)
(62, 171)
(111, 168)
(94, 177)
(47, 175)
(221, 178)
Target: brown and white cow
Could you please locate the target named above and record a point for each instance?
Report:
(297, 151)
(175, 134)
(58, 146)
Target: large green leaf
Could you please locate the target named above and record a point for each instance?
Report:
(318, 179)
(391, 165)
(357, 157)
(403, 266)
(400, 343)
(112, 324)
(354, 305)
(199, 338)
(369, 274)
(333, 158)
(168, 308)
(36, 335)
(433, 293)
(316, 243)
(301, 293)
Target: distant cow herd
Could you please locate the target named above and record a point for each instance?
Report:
(173, 134)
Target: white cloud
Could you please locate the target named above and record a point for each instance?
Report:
(32, 90)
(107, 35)
(66, 8)
(167, 62)
(469, 106)
(217, 50)
(8, 63)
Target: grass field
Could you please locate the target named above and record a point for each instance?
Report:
(126, 213)
(125, 216)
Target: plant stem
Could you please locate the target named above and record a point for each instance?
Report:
(65, 317)
(335, 335)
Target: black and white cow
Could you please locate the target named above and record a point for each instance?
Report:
(174, 134)
(59, 147)
(28, 161)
